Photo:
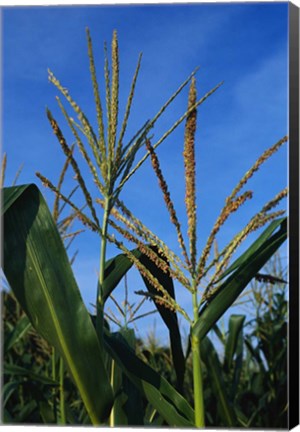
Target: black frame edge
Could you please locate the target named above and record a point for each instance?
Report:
(293, 361)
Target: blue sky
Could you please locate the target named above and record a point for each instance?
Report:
(243, 44)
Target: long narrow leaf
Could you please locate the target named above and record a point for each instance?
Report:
(7, 390)
(23, 415)
(237, 282)
(21, 328)
(255, 355)
(37, 268)
(169, 317)
(168, 402)
(10, 198)
(215, 374)
(128, 405)
(255, 246)
(46, 412)
(238, 366)
(235, 326)
(116, 268)
(14, 370)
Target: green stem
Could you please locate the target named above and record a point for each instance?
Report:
(100, 300)
(61, 392)
(112, 382)
(53, 366)
(197, 374)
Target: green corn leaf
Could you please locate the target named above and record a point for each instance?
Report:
(46, 412)
(24, 414)
(10, 195)
(117, 267)
(6, 417)
(219, 334)
(115, 270)
(20, 330)
(215, 373)
(169, 317)
(229, 291)
(7, 390)
(14, 370)
(238, 362)
(37, 268)
(175, 410)
(235, 327)
(255, 246)
(255, 355)
(128, 406)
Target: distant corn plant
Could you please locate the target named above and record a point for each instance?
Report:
(110, 158)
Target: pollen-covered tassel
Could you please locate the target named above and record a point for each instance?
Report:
(3, 169)
(135, 225)
(67, 151)
(81, 216)
(101, 139)
(114, 88)
(257, 221)
(167, 198)
(148, 275)
(229, 208)
(266, 155)
(190, 171)
(82, 148)
(273, 202)
(60, 182)
(88, 130)
(154, 254)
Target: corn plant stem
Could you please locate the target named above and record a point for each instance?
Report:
(53, 364)
(112, 382)
(100, 301)
(61, 392)
(54, 379)
(197, 373)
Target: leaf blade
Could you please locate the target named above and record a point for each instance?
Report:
(214, 370)
(169, 316)
(37, 268)
(235, 326)
(235, 283)
(168, 402)
(255, 246)
(117, 267)
(21, 328)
